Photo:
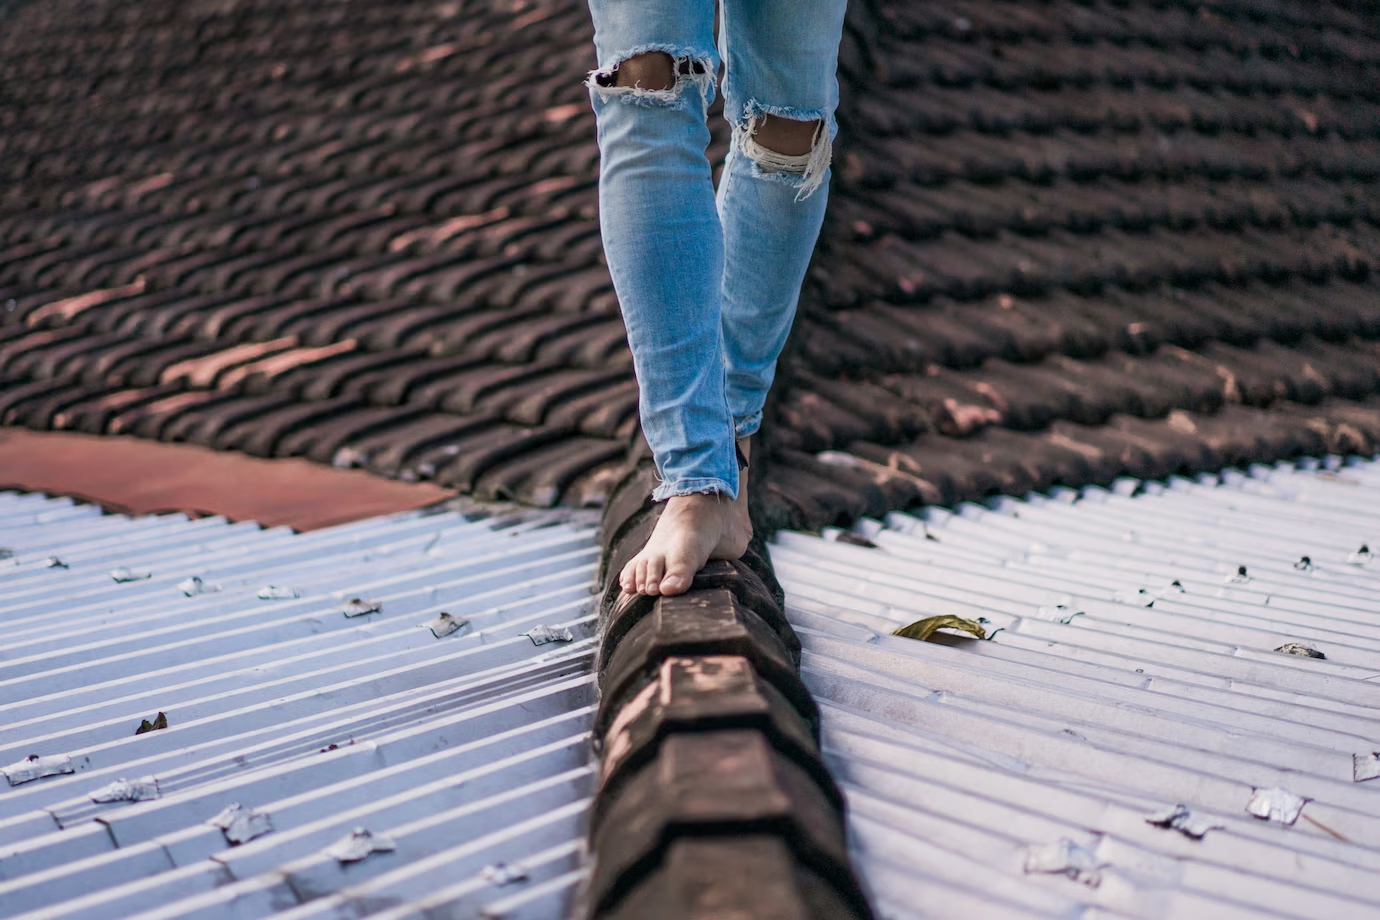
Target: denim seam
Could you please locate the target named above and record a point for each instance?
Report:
(748, 425)
(670, 98)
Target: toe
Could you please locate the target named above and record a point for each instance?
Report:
(656, 568)
(627, 579)
(676, 580)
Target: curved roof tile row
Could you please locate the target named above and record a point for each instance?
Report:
(1094, 239)
(1076, 241)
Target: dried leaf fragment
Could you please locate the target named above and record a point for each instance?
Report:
(126, 790)
(500, 874)
(240, 824)
(1065, 857)
(194, 586)
(1302, 651)
(125, 574)
(159, 723)
(1276, 804)
(923, 629)
(1365, 766)
(359, 606)
(443, 624)
(35, 767)
(540, 635)
(1182, 819)
(360, 844)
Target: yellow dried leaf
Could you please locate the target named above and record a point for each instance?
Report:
(923, 629)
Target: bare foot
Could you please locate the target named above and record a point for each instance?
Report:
(692, 530)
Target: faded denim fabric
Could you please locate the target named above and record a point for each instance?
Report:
(709, 284)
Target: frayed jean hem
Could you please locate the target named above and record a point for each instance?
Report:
(693, 487)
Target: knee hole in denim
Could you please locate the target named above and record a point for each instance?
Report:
(653, 84)
(805, 170)
(787, 133)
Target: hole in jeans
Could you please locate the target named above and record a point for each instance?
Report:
(787, 136)
(654, 71)
(796, 150)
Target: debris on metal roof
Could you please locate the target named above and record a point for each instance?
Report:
(36, 767)
(1181, 818)
(1152, 756)
(359, 607)
(923, 629)
(158, 723)
(240, 824)
(542, 634)
(123, 790)
(124, 573)
(302, 759)
(360, 844)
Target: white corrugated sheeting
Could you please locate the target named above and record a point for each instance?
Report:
(1133, 668)
(466, 754)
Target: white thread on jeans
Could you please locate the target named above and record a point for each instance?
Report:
(810, 167)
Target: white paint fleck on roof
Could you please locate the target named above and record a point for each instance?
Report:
(1130, 741)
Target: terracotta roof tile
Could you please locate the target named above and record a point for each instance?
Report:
(246, 232)
(1093, 223)
(1051, 225)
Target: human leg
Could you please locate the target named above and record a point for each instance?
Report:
(664, 246)
(780, 95)
(661, 230)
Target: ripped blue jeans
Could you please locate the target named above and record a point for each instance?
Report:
(708, 283)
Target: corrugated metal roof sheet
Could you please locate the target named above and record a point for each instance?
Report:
(1134, 665)
(459, 744)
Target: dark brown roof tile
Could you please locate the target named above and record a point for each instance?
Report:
(544, 476)
(539, 404)
(607, 412)
(261, 435)
(16, 400)
(21, 346)
(416, 442)
(38, 410)
(94, 410)
(1134, 218)
(815, 423)
(465, 460)
(390, 378)
(204, 423)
